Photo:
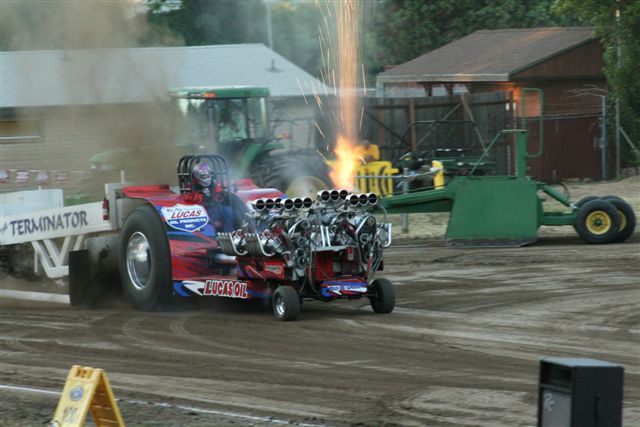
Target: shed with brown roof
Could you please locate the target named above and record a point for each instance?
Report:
(566, 63)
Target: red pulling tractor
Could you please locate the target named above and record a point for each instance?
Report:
(234, 240)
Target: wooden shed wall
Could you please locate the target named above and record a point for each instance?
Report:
(578, 63)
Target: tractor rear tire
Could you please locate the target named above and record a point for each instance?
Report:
(294, 174)
(286, 303)
(627, 218)
(384, 298)
(598, 222)
(145, 260)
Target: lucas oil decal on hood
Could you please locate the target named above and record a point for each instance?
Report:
(186, 217)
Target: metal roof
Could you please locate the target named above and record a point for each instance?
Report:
(81, 77)
(489, 55)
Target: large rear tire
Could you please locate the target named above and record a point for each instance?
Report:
(145, 260)
(627, 218)
(384, 298)
(295, 174)
(598, 222)
(286, 303)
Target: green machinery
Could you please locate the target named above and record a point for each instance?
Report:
(508, 210)
(229, 120)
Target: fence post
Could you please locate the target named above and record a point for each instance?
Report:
(405, 190)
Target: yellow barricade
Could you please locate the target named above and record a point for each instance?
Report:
(375, 177)
(438, 179)
(87, 389)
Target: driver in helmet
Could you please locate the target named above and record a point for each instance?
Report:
(203, 178)
(214, 198)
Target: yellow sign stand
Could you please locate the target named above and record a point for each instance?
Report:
(87, 389)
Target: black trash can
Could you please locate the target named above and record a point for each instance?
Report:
(575, 392)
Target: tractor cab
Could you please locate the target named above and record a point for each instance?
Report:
(229, 120)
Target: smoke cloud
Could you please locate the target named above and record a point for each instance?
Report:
(94, 76)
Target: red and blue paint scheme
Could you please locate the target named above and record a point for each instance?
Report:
(216, 238)
(192, 225)
(236, 240)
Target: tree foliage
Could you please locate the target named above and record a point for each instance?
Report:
(204, 22)
(409, 28)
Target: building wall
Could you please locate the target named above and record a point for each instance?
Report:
(561, 97)
(571, 148)
(572, 110)
(582, 62)
(70, 136)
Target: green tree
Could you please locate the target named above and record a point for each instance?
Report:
(409, 28)
(204, 22)
(617, 23)
(295, 33)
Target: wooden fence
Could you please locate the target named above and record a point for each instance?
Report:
(399, 125)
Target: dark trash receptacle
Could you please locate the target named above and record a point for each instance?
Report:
(575, 392)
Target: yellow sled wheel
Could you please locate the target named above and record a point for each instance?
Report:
(597, 222)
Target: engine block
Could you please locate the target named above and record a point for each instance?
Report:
(296, 230)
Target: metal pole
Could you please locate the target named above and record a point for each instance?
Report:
(617, 137)
(603, 140)
(617, 103)
(269, 31)
(405, 190)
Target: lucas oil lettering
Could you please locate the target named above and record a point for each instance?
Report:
(219, 288)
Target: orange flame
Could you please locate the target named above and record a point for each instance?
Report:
(343, 169)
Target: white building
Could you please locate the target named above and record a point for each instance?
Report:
(58, 108)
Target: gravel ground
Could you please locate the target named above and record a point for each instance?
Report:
(462, 347)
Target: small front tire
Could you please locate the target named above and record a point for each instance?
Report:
(384, 298)
(286, 303)
(627, 218)
(597, 222)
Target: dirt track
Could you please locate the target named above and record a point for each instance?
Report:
(462, 347)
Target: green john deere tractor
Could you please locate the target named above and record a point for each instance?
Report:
(232, 121)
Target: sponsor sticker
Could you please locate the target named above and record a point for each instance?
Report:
(330, 289)
(186, 217)
(276, 268)
(218, 288)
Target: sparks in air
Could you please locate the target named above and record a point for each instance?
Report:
(345, 49)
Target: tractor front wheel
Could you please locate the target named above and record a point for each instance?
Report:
(286, 303)
(384, 296)
(598, 222)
